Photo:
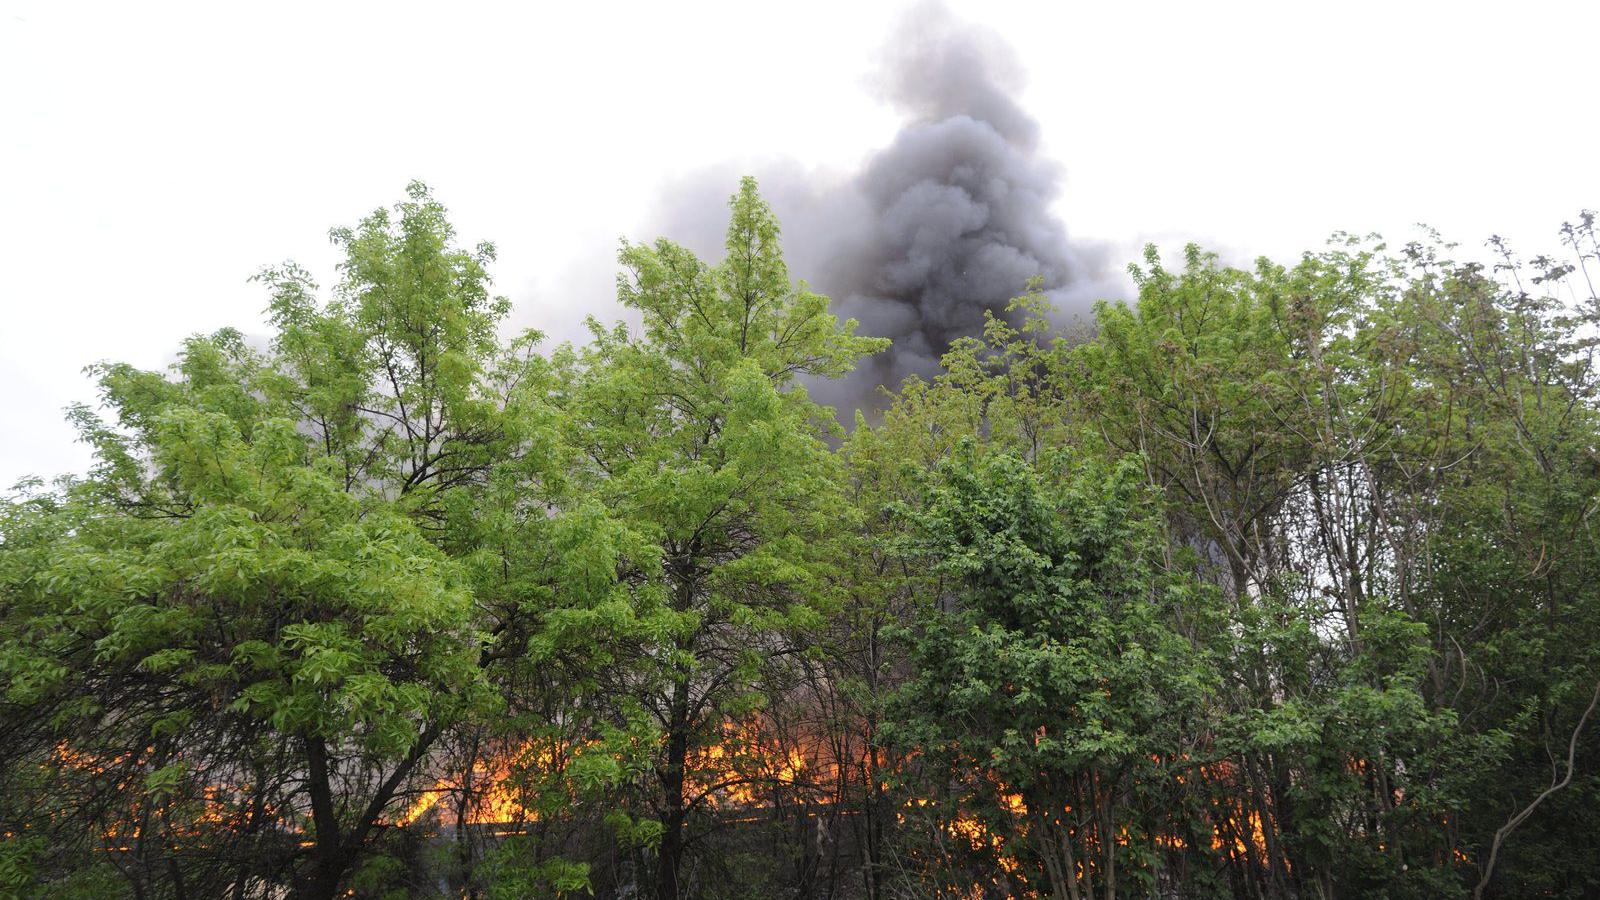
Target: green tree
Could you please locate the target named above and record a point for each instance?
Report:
(232, 643)
(294, 573)
(699, 435)
(1047, 669)
(1510, 545)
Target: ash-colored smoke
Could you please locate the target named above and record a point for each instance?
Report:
(951, 219)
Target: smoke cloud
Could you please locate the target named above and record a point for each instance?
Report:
(950, 220)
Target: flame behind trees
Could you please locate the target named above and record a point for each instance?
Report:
(1280, 584)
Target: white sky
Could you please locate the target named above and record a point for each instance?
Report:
(153, 156)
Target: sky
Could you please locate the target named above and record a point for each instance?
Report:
(154, 156)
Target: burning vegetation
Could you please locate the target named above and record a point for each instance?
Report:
(1275, 585)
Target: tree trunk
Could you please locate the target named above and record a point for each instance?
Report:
(672, 806)
(328, 856)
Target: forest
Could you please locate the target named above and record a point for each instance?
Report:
(1276, 582)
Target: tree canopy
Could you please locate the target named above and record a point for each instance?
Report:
(1277, 582)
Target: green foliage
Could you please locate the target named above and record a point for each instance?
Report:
(1049, 664)
(292, 571)
(698, 437)
(510, 878)
(1281, 582)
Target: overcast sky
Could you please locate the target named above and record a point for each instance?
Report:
(153, 156)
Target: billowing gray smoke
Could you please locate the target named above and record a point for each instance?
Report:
(951, 219)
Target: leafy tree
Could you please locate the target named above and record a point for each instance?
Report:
(699, 436)
(293, 573)
(1511, 577)
(1048, 672)
(1282, 583)
(221, 644)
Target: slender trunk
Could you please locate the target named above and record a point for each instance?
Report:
(671, 775)
(328, 854)
(877, 802)
(176, 874)
(1109, 841)
(463, 833)
(1054, 848)
(1064, 837)
(252, 826)
(875, 805)
(1086, 825)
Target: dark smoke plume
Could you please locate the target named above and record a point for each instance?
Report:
(950, 220)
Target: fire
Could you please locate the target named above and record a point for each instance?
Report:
(738, 773)
(1253, 832)
(491, 789)
(732, 771)
(218, 806)
(980, 838)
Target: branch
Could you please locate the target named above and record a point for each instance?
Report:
(1512, 823)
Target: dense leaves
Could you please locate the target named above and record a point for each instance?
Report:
(1279, 582)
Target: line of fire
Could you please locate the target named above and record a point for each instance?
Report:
(822, 798)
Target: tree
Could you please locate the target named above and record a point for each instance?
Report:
(698, 435)
(1048, 682)
(293, 573)
(1511, 577)
(221, 645)
(1281, 584)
